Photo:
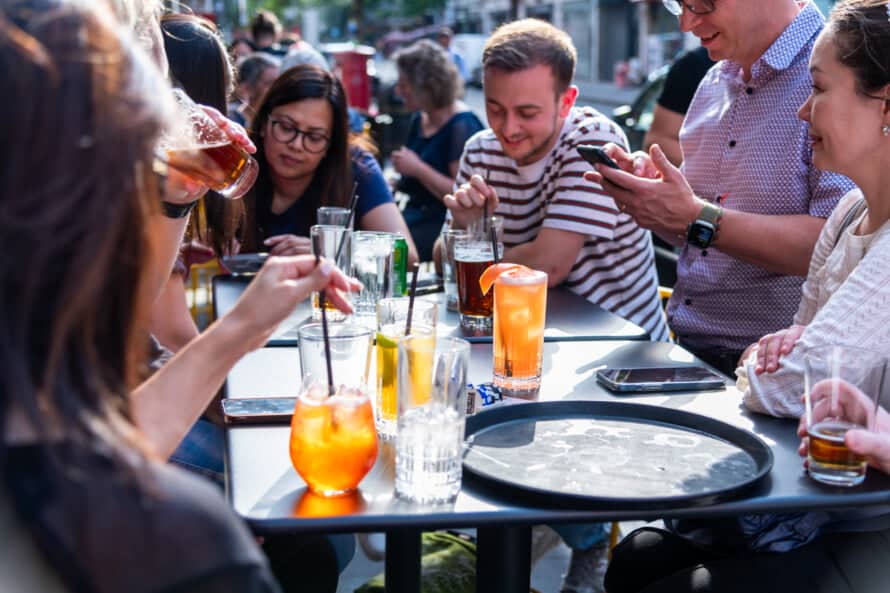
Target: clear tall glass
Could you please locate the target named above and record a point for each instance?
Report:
(372, 261)
(333, 215)
(432, 411)
(350, 347)
(392, 316)
(196, 147)
(520, 308)
(449, 274)
(333, 243)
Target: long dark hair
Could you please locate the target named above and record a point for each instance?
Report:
(76, 190)
(861, 32)
(332, 181)
(199, 64)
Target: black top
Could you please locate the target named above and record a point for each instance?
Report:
(683, 79)
(105, 533)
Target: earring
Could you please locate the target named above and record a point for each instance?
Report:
(885, 129)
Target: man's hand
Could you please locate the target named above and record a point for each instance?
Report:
(659, 198)
(466, 204)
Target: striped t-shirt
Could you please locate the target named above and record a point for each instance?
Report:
(616, 266)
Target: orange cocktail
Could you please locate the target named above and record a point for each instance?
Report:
(333, 441)
(520, 304)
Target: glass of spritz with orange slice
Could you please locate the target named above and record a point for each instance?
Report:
(520, 304)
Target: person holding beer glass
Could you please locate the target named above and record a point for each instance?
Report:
(308, 159)
(844, 303)
(85, 492)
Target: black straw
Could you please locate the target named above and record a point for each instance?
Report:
(414, 269)
(349, 221)
(485, 204)
(327, 340)
(493, 235)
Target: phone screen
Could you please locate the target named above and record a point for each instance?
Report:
(259, 409)
(660, 379)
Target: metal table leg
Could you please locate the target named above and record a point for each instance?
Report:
(402, 564)
(503, 559)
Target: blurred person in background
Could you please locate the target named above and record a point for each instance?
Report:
(428, 83)
(443, 38)
(266, 31)
(255, 74)
(308, 159)
(241, 47)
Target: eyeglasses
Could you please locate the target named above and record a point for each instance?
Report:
(675, 7)
(314, 142)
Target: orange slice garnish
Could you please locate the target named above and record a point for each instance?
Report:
(492, 272)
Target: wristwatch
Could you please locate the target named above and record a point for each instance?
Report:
(702, 231)
(173, 210)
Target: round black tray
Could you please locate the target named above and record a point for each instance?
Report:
(610, 454)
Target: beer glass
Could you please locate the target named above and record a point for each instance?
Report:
(842, 389)
(520, 306)
(472, 255)
(196, 147)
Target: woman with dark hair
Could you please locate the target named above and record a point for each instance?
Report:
(308, 159)
(79, 189)
(429, 84)
(199, 64)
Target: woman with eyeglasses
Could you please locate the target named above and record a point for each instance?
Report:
(308, 159)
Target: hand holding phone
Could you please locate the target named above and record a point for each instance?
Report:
(595, 154)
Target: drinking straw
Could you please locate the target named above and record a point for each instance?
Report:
(327, 340)
(493, 235)
(485, 204)
(414, 269)
(349, 221)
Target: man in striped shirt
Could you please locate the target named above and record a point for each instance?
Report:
(527, 169)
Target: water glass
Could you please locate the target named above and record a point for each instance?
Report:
(334, 244)
(372, 263)
(432, 411)
(449, 276)
(842, 389)
(350, 347)
(333, 215)
(392, 317)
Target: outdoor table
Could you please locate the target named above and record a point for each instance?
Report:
(569, 316)
(265, 490)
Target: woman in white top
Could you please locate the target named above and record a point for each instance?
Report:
(848, 285)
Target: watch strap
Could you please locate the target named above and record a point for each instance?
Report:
(711, 213)
(173, 210)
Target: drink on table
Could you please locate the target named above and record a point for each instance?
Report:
(333, 215)
(372, 266)
(333, 442)
(828, 455)
(473, 254)
(449, 278)
(520, 306)
(392, 318)
(432, 408)
(334, 243)
(842, 391)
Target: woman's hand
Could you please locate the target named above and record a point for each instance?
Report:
(280, 285)
(405, 161)
(773, 346)
(288, 245)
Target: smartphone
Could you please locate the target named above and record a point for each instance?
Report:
(595, 154)
(259, 410)
(644, 380)
(245, 263)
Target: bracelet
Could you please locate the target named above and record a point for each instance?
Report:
(172, 210)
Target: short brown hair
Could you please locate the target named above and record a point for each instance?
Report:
(431, 72)
(527, 43)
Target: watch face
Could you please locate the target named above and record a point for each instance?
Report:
(700, 234)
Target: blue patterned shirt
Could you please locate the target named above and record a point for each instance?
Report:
(744, 140)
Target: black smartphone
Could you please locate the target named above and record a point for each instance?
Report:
(595, 154)
(245, 263)
(258, 410)
(654, 379)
